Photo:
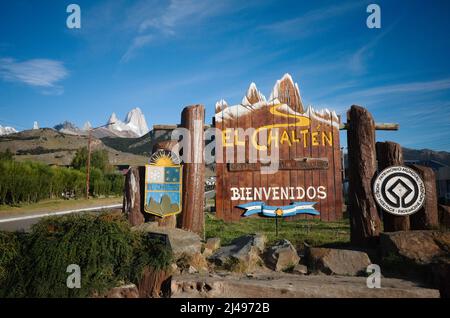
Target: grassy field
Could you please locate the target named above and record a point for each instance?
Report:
(313, 232)
(56, 205)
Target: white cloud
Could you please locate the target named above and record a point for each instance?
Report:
(42, 73)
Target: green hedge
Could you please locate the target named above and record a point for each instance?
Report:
(28, 182)
(105, 248)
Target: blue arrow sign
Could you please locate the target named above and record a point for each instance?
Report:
(280, 211)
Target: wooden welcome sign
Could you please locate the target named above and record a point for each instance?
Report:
(308, 171)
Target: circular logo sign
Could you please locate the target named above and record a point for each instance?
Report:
(399, 190)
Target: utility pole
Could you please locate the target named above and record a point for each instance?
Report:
(88, 163)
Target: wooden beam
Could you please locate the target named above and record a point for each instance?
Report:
(378, 126)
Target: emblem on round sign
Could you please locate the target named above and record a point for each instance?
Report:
(399, 190)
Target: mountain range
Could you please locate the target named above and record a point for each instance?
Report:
(133, 126)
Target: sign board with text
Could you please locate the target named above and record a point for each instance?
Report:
(278, 155)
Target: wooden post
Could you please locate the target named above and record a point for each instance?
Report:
(364, 219)
(171, 220)
(427, 217)
(391, 154)
(192, 218)
(132, 197)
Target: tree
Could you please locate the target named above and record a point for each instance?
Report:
(99, 160)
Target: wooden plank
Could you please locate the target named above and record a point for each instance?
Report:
(284, 164)
(338, 166)
(378, 126)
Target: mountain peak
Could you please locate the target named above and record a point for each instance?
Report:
(136, 122)
(7, 130)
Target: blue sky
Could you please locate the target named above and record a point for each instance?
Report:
(163, 55)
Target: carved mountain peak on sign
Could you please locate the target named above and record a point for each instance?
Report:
(285, 96)
(221, 105)
(286, 91)
(253, 96)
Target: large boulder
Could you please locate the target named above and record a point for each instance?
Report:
(420, 247)
(281, 256)
(243, 255)
(337, 261)
(183, 243)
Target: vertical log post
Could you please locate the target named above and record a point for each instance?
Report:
(391, 154)
(364, 219)
(192, 218)
(427, 217)
(132, 197)
(171, 220)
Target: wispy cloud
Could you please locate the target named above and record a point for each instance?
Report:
(138, 42)
(411, 87)
(311, 22)
(42, 73)
(150, 21)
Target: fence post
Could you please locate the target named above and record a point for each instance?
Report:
(391, 154)
(364, 219)
(192, 218)
(132, 197)
(427, 217)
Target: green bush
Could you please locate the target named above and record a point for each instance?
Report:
(105, 248)
(29, 182)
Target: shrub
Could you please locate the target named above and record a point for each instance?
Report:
(105, 248)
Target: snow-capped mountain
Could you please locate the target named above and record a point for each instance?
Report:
(133, 126)
(7, 130)
(134, 123)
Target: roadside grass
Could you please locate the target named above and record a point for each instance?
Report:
(57, 205)
(313, 232)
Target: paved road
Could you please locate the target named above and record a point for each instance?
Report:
(23, 223)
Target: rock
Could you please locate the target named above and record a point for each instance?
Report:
(337, 261)
(300, 269)
(199, 262)
(192, 270)
(207, 252)
(183, 243)
(242, 255)
(174, 268)
(125, 291)
(283, 285)
(420, 247)
(281, 256)
(444, 215)
(213, 244)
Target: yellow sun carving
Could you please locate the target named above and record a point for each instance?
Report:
(162, 159)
